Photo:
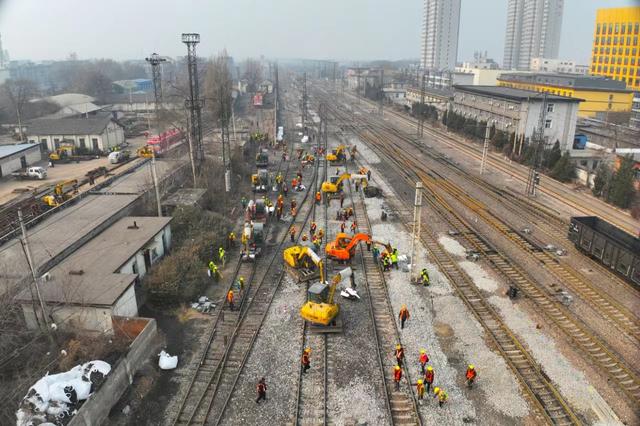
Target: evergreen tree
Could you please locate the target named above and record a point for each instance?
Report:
(622, 189)
(602, 181)
(551, 156)
(445, 118)
(564, 170)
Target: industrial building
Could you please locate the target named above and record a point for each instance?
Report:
(533, 30)
(601, 95)
(92, 134)
(99, 280)
(615, 45)
(440, 27)
(16, 157)
(562, 66)
(518, 111)
(635, 112)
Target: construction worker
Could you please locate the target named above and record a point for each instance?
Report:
(399, 354)
(306, 361)
(397, 376)
(403, 315)
(342, 226)
(292, 234)
(304, 237)
(441, 395)
(285, 189)
(341, 199)
(354, 227)
(241, 284)
(313, 228)
(394, 258)
(424, 359)
(420, 390)
(376, 253)
(316, 242)
(369, 244)
(222, 256)
(244, 202)
(243, 239)
(294, 182)
(230, 299)
(294, 212)
(424, 275)
(428, 377)
(231, 239)
(386, 262)
(294, 204)
(261, 387)
(320, 234)
(357, 185)
(318, 197)
(368, 174)
(471, 375)
(213, 270)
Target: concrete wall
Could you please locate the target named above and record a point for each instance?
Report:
(73, 317)
(157, 246)
(112, 135)
(12, 163)
(126, 305)
(96, 409)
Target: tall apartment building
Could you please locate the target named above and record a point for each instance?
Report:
(440, 34)
(616, 51)
(533, 30)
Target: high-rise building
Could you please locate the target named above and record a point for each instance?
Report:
(533, 30)
(616, 52)
(440, 34)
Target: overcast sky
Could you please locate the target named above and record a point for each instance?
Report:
(319, 29)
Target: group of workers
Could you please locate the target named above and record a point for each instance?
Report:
(387, 259)
(424, 384)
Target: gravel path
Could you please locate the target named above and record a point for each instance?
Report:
(364, 151)
(452, 246)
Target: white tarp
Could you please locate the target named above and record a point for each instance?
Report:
(166, 361)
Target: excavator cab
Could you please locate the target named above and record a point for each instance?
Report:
(337, 155)
(303, 264)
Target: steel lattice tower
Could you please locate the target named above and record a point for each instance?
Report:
(194, 104)
(155, 60)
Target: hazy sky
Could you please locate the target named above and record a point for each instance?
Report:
(337, 29)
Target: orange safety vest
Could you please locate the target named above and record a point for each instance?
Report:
(305, 359)
(471, 374)
(424, 359)
(420, 389)
(428, 377)
(230, 296)
(397, 375)
(404, 313)
(318, 196)
(261, 387)
(399, 353)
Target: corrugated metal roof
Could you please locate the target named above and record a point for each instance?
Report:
(8, 150)
(515, 94)
(68, 126)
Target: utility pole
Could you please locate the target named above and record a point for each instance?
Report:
(155, 60)
(485, 147)
(34, 275)
(417, 211)
(534, 177)
(381, 104)
(421, 115)
(194, 104)
(304, 99)
(191, 159)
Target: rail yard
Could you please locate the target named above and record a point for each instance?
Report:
(316, 242)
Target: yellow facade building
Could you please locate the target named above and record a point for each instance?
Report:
(616, 45)
(600, 95)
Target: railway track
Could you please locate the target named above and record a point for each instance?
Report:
(555, 189)
(595, 350)
(402, 406)
(228, 344)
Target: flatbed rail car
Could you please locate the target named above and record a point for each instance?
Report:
(609, 245)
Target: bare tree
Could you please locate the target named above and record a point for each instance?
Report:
(252, 73)
(19, 92)
(217, 87)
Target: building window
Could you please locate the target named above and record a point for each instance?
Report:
(615, 39)
(134, 267)
(626, 51)
(608, 40)
(597, 40)
(617, 70)
(598, 29)
(548, 123)
(550, 107)
(617, 28)
(605, 69)
(628, 40)
(619, 60)
(636, 27)
(82, 143)
(94, 141)
(622, 28)
(635, 40)
(610, 29)
(633, 61)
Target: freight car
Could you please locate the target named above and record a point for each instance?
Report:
(609, 245)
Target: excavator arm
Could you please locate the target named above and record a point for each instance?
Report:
(344, 274)
(356, 239)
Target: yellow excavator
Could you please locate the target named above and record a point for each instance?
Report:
(61, 194)
(145, 151)
(320, 307)
(334, 184)
(337, 155)
(303, 263)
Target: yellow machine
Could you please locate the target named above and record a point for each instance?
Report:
(63, 152)
(337, 154)
(303, 263)
(145, 152)
(334, 184)
(61, 194)
(320, 308)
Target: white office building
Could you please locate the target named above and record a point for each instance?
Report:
(533, 30)
(440, 27)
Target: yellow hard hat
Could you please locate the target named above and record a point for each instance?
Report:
(397, 367)
(420, 381)
(241, 279)
(422, 351)
(398, 346)
(436, 390)
(471, 367)
(429, 368)
(307, 349)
